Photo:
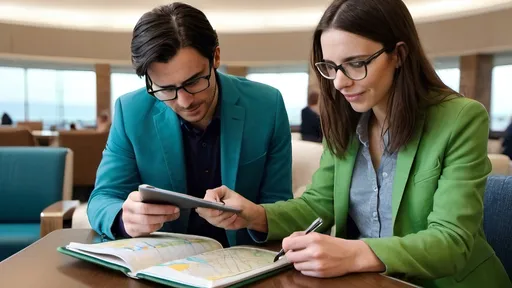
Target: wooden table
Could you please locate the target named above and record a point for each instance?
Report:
(40, 265)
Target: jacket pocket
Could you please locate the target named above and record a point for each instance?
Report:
(425, 175)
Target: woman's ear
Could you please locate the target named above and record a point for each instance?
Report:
(401, 51)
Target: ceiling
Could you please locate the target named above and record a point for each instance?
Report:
(227, 16)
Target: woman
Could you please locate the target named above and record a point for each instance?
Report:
(404, 170)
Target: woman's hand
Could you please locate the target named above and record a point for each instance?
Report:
(320, 255)
(252, 216)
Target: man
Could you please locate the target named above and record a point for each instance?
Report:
(191, 129)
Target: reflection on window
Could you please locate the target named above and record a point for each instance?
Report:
(501, 98)
(450, 77)
(293, 87)
(122, 83)
(12, 92)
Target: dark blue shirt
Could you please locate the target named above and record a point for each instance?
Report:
(202, 158)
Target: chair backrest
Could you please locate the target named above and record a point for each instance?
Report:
(31, 125)
(32, 178)
(87, 146)
(16, 136)
(498, 216)
(500, 164)
(305, 161)
(494, 146)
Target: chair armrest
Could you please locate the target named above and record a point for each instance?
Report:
(53, 216)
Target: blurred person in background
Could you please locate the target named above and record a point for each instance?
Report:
(507, 141)
(310, 127)
(103, 122)
(6, 119)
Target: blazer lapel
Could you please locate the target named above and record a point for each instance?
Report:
(403, 167)
(231, 131)
(168, 128)
(341, 195)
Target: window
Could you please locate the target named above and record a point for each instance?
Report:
(293, 85)
(43, 101)
(122, 83)
(501, 97)
(448, 69)
(79, 96)
(12, 92)
(450, 77)
(33, 92)
(58, 97)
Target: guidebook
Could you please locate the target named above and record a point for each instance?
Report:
(181, 260)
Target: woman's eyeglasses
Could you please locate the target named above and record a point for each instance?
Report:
(355, 70)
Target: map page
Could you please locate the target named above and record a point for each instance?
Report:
(206, 269)
(144, 252)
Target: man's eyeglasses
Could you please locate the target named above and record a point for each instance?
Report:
(168, 93)
(355, 70)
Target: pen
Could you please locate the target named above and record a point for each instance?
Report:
(317, 223)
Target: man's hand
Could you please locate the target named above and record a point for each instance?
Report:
(142, 218)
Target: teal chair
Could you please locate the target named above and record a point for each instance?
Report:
(31, 180)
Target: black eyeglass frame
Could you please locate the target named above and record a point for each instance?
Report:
(341, 67)
(149, 85)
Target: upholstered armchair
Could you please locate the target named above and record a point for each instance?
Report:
(33, 179)
(497, 216)
(305, 161)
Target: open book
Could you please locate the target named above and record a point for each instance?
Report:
(181, 260)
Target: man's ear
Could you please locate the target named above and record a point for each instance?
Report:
(216, 58)
(401, 52)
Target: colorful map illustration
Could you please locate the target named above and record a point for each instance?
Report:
(140, 253)
(220, 264)
(137, 244)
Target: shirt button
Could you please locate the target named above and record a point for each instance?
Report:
(375, 188)
(204, 144)
(375, 214)
(384, 174)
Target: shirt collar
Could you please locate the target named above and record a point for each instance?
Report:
(362, 130)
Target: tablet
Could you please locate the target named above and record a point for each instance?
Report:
(151, 194)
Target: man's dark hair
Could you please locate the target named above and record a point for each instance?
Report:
(160, 33)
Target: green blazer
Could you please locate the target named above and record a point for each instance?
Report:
(437, 202)
(145, 146)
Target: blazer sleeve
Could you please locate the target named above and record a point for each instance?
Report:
(445, 246)
(284, 218)
(276, 182)
(116, 178)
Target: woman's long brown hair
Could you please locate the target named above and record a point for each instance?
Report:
(388, 22)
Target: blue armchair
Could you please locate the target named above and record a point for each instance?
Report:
(497, 217)
(31, 180)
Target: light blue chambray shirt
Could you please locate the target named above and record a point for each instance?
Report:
(370, 190)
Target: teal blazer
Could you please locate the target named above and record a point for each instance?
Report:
(145, 146)
(437, 202)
